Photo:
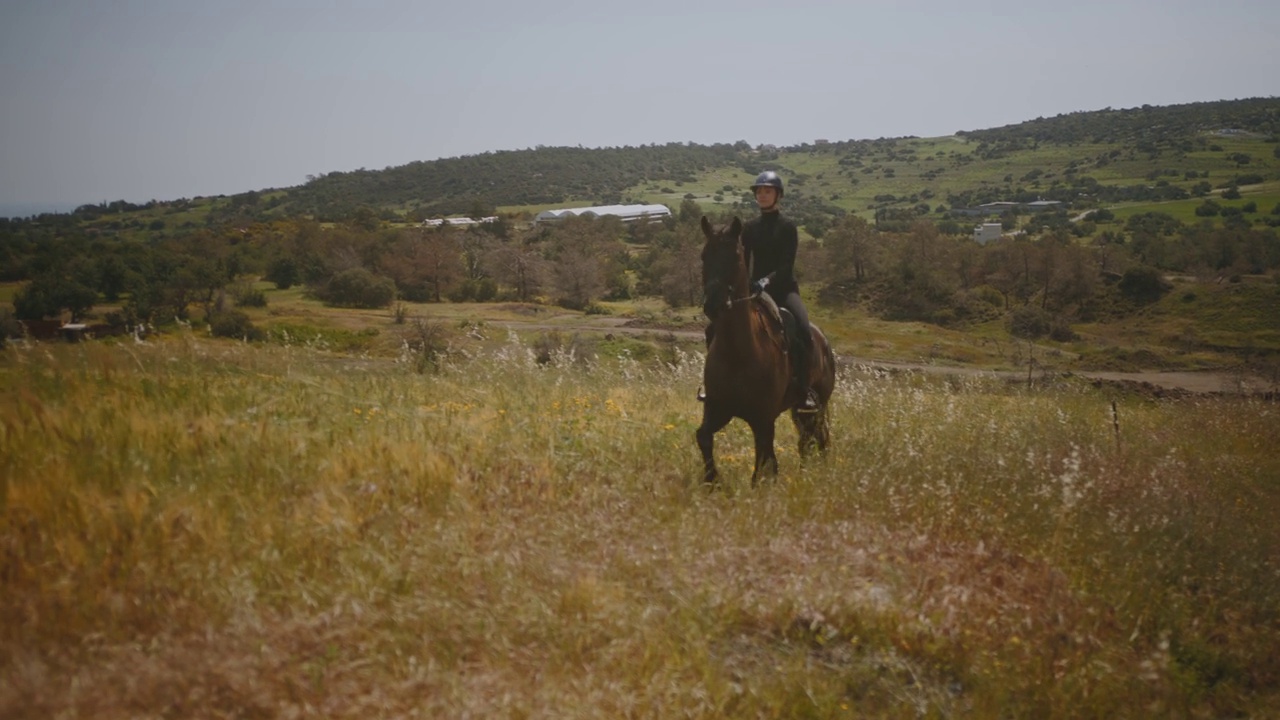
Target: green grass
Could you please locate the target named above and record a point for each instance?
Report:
(202, 528)
(1265, 196)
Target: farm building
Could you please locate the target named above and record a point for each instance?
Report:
(986, 232)
(462, 221)
(1003, 206)
(626, 213)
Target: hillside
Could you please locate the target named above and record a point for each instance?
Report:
(1113, 158)
(1159, 208)
(1109, 155)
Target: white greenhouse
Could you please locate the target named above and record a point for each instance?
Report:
(626, 213)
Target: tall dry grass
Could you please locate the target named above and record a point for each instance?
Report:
(193, 528)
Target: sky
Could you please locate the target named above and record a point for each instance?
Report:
(104, 100)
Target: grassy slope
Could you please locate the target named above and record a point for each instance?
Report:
(823, 176)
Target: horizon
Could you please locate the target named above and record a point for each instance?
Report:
(168, 100)
(31, 209)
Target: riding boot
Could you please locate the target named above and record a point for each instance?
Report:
(808, 400)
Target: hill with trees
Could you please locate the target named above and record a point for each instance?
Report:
(1189, 191)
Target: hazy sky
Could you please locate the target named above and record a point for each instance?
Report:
(150, 99)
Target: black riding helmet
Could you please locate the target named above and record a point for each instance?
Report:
(768, 178)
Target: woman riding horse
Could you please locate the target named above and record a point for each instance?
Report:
(748, 372)
(770, 242)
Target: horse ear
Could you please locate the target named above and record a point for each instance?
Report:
(706, 226)
(735, 227)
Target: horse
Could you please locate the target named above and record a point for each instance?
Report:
(748, 369)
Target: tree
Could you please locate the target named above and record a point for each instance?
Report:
(519, 265)
(49, 295)
(690, 211)
(437, 259)
(849, 245)
(579, 277)
(283, 271)
(679, 268)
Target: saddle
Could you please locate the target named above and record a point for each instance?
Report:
(784, 321)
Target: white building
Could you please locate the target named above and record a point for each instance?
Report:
(626, 213)
(986, 232)
(437, 222)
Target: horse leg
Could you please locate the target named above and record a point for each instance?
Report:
(822, 432)
(807, 428)
(713, 420)
(766, 460)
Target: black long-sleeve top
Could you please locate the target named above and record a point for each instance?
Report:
(772, 240)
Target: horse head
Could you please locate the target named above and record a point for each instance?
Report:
(722, 265)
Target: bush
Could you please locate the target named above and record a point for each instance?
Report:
(1029, 322)
(1142, 285)
(482, 290)
(1060, 330)
(283, 272)
(9, 327)
(247, 296)
(234, 324)
(359, 288)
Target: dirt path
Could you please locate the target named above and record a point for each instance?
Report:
(1199, 382)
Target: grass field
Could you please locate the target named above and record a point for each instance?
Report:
(1265, 197)
(199, 528)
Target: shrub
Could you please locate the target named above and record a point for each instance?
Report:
(1060, 330)
(358, 287)
(1208, 209)
(283, 272)
(427, 343)
(234, 324)
(1029, 322)
(482, 290)
(9, 327)
(248, 296)
(1142, 285)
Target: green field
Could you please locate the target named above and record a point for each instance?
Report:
(1265, 196)
(208, 528)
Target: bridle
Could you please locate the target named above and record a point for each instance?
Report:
(730, 300)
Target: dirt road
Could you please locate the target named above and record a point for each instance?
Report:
(1199, 382)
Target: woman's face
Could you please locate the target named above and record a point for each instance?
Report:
(766, 196)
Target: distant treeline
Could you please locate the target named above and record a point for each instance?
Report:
(915, 272)
(1167, 124)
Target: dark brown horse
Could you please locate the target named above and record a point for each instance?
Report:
(748, 370)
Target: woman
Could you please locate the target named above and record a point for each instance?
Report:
(770, 242)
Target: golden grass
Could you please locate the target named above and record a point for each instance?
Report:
(199, 528)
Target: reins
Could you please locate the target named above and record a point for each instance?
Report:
(728, 304)
(751, 264)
